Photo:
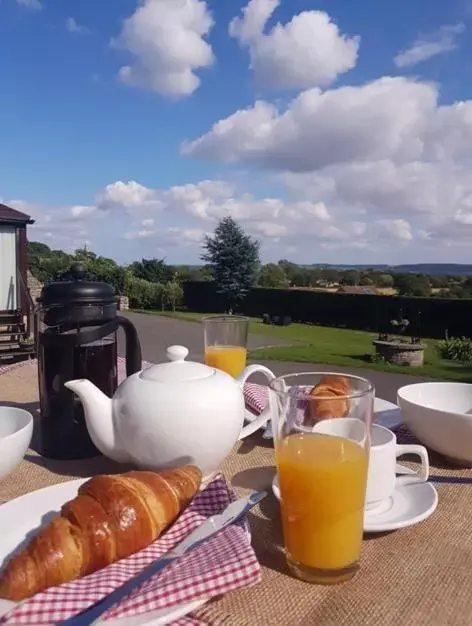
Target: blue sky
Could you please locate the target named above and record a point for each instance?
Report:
(95, 152)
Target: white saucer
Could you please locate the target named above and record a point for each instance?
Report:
(407, 506)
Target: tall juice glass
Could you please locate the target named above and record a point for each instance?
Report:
(321, 424)
(226, 342)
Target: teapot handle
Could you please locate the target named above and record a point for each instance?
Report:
(263, 418)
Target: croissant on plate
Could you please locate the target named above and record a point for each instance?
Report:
(112, 517)
(332, 402)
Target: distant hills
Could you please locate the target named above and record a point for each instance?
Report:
(432, 269)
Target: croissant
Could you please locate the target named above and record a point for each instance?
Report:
(112, 517)
(332, 392)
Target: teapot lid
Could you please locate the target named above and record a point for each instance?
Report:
(178, 370)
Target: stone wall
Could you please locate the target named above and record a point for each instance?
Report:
(400, 353)
(123, 303)
(34, 286)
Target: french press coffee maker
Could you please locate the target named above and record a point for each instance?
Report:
(77, 339)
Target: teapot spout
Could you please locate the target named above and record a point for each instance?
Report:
(98, 412)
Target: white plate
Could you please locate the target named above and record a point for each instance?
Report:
(407, 506)
(22, 515)
(387, 414)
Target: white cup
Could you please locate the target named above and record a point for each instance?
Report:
(347, 427)
(384, 452)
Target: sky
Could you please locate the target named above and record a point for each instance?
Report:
(332, 131)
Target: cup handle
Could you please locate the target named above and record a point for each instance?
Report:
(418, 477)
(265, 415)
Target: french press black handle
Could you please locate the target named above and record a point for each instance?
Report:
(133, 347)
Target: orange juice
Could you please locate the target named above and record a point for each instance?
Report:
(230, 359)
(322, 485)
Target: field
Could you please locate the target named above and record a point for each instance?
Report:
(336, 346)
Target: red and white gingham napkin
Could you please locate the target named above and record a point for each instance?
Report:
(224, 563)
(256, 397)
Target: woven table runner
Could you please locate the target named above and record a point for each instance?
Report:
(413, 577)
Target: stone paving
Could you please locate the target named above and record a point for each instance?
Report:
(157, 333)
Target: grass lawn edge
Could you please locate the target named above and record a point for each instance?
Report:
(340, 347)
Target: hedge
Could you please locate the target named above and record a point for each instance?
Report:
(143, 294)
(429, 317)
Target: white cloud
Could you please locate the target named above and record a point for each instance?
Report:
(31, 4)
(167, 40)
(377, 120)
(351, 220)
(425, 47)
(64, 227)
(148, 222)
(169, 237)
(74, 27)
(398, 229)
(80, 212)
(128, 196)
(385, 159)
(308, 50)
(208, 201)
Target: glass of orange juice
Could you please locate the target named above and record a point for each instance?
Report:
(321, 424)
(226, 342)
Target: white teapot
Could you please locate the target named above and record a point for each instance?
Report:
(170, 414)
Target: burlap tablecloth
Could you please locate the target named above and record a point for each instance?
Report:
(417, 576)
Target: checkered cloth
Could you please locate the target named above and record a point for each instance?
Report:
(224, 563)
(256, 397)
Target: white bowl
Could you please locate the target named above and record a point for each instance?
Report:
(440, 416)
(16, 430)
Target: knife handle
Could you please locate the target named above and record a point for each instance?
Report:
(87, 617)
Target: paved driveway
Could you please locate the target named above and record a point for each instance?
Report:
(157, 333)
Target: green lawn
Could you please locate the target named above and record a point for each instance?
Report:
(336, 346)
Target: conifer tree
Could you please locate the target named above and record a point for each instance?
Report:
(234, 258)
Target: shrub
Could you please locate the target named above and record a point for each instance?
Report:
(143, 294)
(455, 349)
(173, 295)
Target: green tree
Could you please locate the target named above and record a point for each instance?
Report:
(351, 277)
(107, 271)
(438, 282)
(234, 257)
(412, 285)
(152, 270)
(173, 294)
(384, 280)
(273, 275)
(292, 271)
(330, 275)
(184, 273)
(46, 264)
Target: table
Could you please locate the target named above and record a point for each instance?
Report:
(417, 576)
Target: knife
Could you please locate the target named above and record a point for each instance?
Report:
(213, 525)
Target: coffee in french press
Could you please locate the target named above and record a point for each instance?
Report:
(78, 322)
